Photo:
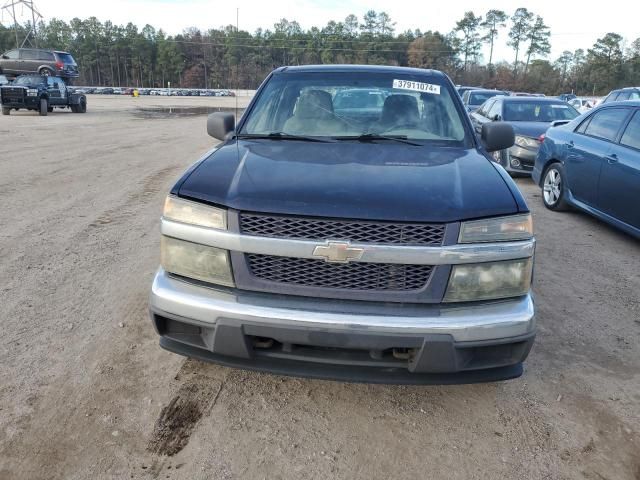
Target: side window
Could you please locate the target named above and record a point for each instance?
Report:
(12, 54)
(612, 97)
(605, 124)
(623, 96)
(28, 55)
(484, 109)
(496, 109)
(46, 56)
(631, 136)
(635, 95)
(583, 126)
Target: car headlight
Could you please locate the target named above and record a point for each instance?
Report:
(526, 142)
(489, 281)
(499, 229)
(194, 213)
(192, 260)
(32, 92)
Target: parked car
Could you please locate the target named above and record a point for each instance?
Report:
(41, 93)
(472, 99)
(582, 104)
(567, 97)
(629, 93)
(530, 118)
(308, 244)
(593, 164)
(37, 60)
(461, 89)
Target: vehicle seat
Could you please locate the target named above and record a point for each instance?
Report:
(398, 110)
(313, 115)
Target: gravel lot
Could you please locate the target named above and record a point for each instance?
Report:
(85, 391)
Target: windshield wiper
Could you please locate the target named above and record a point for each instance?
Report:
(282, 136)
(367, 137)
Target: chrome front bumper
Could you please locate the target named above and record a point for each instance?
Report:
(203, 306)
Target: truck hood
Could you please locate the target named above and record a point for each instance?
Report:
(376, 181)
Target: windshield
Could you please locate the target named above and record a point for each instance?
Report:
(28, 80)
(352, 104)
(538, 111)
(478, 98)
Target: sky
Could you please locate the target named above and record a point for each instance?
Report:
(572, 25)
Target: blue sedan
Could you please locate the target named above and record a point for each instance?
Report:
(593, 163)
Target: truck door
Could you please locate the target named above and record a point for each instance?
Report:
(53, 88)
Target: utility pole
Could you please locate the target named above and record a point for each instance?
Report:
(10, 8)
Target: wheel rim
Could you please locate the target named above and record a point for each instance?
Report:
(552, 187)
(45, 72)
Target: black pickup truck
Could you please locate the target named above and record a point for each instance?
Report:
(41, 93)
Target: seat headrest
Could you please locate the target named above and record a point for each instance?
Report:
(314, 104)
(399, 109)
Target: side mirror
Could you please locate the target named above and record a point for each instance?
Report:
(497, 118)
(220, 124)
(497, 136)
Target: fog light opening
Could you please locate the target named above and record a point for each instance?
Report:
(515, 162)
(403, 353)
(262, 342)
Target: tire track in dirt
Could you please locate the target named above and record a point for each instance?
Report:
(178, 419)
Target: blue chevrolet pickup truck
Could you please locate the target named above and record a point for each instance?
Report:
(351, 226)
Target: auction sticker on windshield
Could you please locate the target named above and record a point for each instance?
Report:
(416, 86)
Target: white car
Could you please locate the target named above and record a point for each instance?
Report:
(583, 104)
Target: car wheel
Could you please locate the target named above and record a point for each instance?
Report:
(82, 106)
(6, 111)
(553, 187)
(50, 109)
(44, 107)
(45, 71)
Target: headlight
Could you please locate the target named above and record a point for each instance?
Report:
(527, 142)
(194, 213)
(196, 261)
(499, 229)
(32, 92)
(487, 281)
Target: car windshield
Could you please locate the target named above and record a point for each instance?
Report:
(352, 104)
(478, 98)
(532, 111)
(28, 80)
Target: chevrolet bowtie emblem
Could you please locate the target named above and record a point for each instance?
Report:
(338, 252)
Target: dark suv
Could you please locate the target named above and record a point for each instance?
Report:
(629, 93)
(43, 61)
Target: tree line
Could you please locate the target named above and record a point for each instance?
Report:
(124, 55)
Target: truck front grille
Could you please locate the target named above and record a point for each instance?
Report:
(361, 231)
(343, 276)
(12, 94)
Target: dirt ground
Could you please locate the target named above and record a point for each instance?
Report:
(86, 393)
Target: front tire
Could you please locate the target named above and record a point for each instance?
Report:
(6, 111)
(44, 107)
(553, 187)
(45, 71)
